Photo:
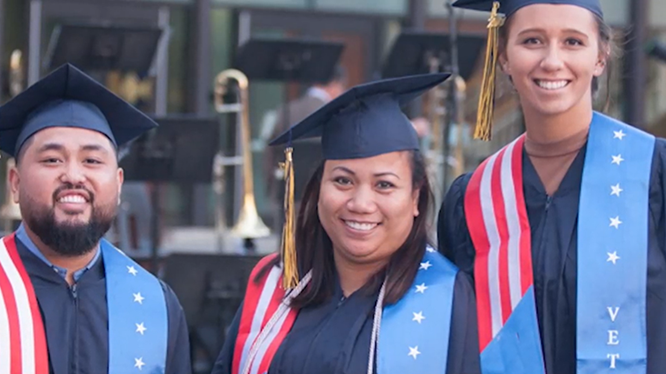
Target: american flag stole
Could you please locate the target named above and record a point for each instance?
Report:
(261, 302)
(22, 339)
(414, 332)
(497, 219)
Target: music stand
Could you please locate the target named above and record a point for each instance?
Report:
(210, 289)
(288, 60)
(180, 150)
(103, 47)
(420, 53)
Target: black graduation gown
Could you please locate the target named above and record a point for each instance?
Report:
(334, 338)
(553, 222)
(75, 320)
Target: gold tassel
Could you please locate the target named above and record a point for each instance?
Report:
(288, 245)
(487, 96)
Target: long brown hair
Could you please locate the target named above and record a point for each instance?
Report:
(314, 248)
(607, 44)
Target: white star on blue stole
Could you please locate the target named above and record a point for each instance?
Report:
(414, 334)
(138, 325)
(612, 249)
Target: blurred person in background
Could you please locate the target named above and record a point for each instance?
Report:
(308, 150)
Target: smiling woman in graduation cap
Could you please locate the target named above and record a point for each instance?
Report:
(365, 292)
(564, 228)
(70, 302)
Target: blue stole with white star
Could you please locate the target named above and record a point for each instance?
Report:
(612, 249)
(138, 326)
(414, 334)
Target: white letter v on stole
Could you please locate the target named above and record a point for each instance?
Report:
(613, 313)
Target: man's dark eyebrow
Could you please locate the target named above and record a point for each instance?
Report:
(94, 147)
(51, 147)
(59, 147)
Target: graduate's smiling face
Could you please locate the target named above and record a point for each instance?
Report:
(552, 53)
(367, 206)
(67, 183)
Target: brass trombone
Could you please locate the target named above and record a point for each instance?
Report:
(249, 224)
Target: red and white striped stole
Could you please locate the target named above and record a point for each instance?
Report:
(500, 231)
(22, 340)
(262, 300)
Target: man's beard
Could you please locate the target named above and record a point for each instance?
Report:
(71, 238)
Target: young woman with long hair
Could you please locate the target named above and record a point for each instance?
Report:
(562, 229)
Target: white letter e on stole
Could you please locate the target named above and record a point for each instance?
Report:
(613, 337)
(613, 357)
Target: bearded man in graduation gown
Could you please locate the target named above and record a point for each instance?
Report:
(70, 302)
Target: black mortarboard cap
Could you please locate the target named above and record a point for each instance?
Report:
(508, 7)
(366, 120)
(69, 98)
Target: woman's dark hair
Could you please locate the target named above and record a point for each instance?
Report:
(314, 248)
(607, 46)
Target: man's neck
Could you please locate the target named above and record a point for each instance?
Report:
(70, 263)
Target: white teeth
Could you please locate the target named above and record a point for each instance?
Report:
(552, 85)
(361, 226)
(77, 199)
